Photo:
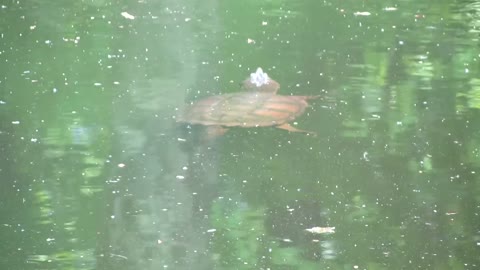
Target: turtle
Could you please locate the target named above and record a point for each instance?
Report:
(257, 105)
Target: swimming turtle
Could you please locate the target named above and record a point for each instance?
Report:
(258, 105)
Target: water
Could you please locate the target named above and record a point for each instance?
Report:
(96, 174)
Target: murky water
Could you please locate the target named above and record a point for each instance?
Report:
(96, 173)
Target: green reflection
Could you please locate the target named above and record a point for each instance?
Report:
(93, 176)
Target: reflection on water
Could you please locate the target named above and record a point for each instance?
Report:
(96, 173)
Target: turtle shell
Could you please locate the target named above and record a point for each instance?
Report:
(249, 109)
(257, 106)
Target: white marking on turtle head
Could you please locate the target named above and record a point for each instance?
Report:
(259, 78)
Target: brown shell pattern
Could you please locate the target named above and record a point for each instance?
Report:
(250, 109)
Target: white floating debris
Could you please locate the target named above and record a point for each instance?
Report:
(362, 13)
(321, 230)
(16, 122)
(390, 9)
(211, 230)
(180, 177)
(127, 15)
(121, 165)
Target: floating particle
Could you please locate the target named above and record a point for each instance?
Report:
(321, 230)
(127, 15)
(362, 13)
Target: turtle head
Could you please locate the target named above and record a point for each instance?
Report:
(259, 81)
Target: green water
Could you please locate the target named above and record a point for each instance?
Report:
(96, 174)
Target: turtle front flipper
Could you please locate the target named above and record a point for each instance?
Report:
(212, 132)
(290, 128)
